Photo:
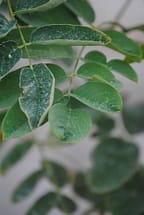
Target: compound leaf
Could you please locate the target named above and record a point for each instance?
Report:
(5, 26)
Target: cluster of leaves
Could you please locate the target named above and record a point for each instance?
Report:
(31, 96)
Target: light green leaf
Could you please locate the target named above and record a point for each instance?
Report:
(123, 44)
(69, 125)
(14, 155)
(26, 6)
(99, 96)
(9, 90)
(38, 92)
(114, 162)
(81, 8)
(58, 15)
(96, 56)
(66, 204)
(26, 187)
(97, 71)
(123, 68)
(58, 73)
(69, 35)
(5, 26)
(15, 123)
(9, 56)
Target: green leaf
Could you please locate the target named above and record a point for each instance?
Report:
(38, 92)
(128, 200)
(97, 71)
(66, 205)
(9, 90)
(114, 163)
(82, 8)
(9, 56)
(99, 96)
(96, 56)
(58, 15)
(5, 26)
(69, 35)
(14, 155)
(58, 73)
(15, 123)
(58, 96)
(123, 44)
(69, 125)
(123, 68)
(133, 118)
(56, 173)
(25, 6)
(26, 187)
(43, 205)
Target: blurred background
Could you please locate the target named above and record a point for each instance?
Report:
(75, 156)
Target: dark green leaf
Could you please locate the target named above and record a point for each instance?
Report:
(69, 125)
(26, 187)
(69, 35)
(123, 68)
(9, 90)
(97, 71)
(66, 204)
(56, 173)
(38, 92)
(9, 56)
(14, 155)
(114, 163)
(123, 44)
(5, 26)
(58, 96)
(96, 56)
(98, 96)
(15, 123)
(58, 72)
(81, 8)
(133, 117)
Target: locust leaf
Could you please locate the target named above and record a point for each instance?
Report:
(66, 204)
(69, 125)
(96, 56)
(26, 6)
(5, 26)
(69, 35)
(9, 56)
(38, 92)
(99, 96)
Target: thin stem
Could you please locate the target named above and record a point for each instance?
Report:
(10, 9)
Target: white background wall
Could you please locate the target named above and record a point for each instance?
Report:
(75, 156)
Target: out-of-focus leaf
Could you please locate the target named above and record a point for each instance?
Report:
(96, 56)
(58, 72)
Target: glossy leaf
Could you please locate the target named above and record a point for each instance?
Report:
(26, 187)
(5, 26)
(133, 118)
(96, 56)
(66, 204)
(69, 35)
(69, 125)
(123, 68)
(58, 15)
(123, 44)
(82, 8)
(15, 123)
(25, 6)
(128, 200)
(9, 56)
(114, 163)
(14, 155)
(97, 71)
(58, 73)
(99, 96)
(38, 92)
(56, 173)
(9, 90)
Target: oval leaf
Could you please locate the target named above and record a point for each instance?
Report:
(99, 96)
(38, 92)
(69, 125)
(66, 205)
(9, 56)
(96, 56)
(58, 73)
(123, 68)
(115, 162)
(5, 26)
(69, 35)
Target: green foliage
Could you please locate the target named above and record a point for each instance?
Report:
(5, 26)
